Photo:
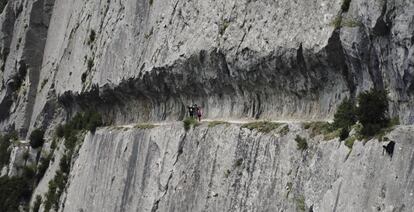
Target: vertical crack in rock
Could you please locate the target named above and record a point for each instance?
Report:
(211, 178)
(337, 197)
(180, 148)
(130, 175)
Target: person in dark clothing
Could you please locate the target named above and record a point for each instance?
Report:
(198, 112)
(191, 111)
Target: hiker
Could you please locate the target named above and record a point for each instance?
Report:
(191, 111)
(199, 113)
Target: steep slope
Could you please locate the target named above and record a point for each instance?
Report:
(146, 60)
(136, 61)
(226, 168)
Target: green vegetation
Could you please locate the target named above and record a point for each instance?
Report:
(345, 5)
(351, 23)
(321, 128)
(189, 122)
(349, 142)
(13, 191)
(372, 111)
(43, 165)
(44, 82)
(343, 134)
(238, 162)
(90, 64)
(37, 203)
(301, 142)
(151, 2)
(336, 22)
(224, 25)
(36, 138)
(262, 126)
(5, 142)
(88, 120)
(145, 126)
(345, 115)
(227, 173)
(300, 204)
(3, 4)
(216, 123)
(285, 130)
(60, 131)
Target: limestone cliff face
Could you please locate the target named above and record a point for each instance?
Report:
(226, 168)
(145, 60)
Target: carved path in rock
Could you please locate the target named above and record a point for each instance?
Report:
(231, 121)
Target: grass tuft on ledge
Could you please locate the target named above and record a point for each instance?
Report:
(262, 126)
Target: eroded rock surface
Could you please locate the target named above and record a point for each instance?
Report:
(226, 168)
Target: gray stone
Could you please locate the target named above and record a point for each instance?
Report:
(225, 168)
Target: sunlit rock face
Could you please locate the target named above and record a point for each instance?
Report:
(138, 61)
(226, 168)
(147, 60)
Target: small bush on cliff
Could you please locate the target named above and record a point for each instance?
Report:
(189, 122)
(5, 142)
(36, 138)
(3, 4)
(60, 131)
(13, 191)
(345, 5)
(43, 165)
(216, 123)
(301, 142)
(145, 126)
(372, 111)
(321, 128)
(37, 203)
(262, 126)
(345, 115)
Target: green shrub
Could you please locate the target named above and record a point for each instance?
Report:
(26, 155)
(301, 142)
(189, 122)
(90, 64)
(94, 120)
(57, 184)
(285, 130)
(344, 134)
(5, 142)
(29, 172)
(71, 142)
(13, 191)
(349, 142)
(337, 22)
(345, 115)
(37, 203)
(3, 4)
(151, 2)
(36, 138)
(262, 126)
(345, 5)
(238, 162)
(372, 111)
(43, 166)
(216, 123)
(60, 131)
(319, 128)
